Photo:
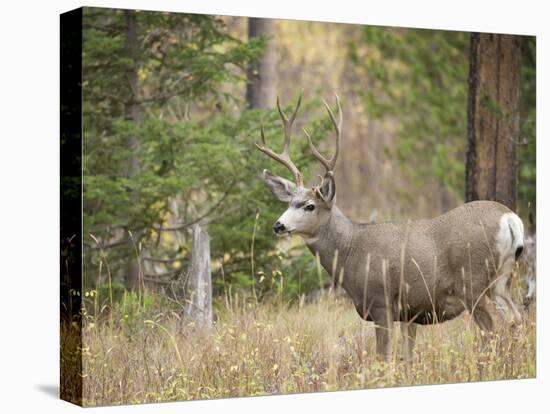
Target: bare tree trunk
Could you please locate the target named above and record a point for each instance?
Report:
(260, 90)
(132, 112)
(493, 118)
(199, 282)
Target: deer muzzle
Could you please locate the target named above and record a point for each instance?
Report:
(279, 228)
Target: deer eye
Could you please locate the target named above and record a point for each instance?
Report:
(309, 207)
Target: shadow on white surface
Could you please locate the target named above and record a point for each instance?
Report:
(51, 390)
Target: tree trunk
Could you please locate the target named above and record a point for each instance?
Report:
(493, 118)
(199, 282)
(260, 90)
(132, 112)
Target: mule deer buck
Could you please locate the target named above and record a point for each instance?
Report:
(416, 272)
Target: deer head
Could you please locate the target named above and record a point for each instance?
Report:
(308, 208)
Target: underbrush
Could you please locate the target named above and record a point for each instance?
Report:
(138, 354)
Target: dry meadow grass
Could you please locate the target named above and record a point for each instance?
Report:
(269, 348)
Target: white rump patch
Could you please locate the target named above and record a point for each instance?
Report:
(509, 237)
(507, 240)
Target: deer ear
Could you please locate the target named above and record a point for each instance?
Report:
(327, 190)
(281, 188)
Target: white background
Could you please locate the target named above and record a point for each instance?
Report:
(29, 207)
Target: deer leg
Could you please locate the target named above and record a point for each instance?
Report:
(383, 330)
(500, 293)
(482, 317)
(383, 341)
(408, 332)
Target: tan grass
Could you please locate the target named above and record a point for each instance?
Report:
(258, 349)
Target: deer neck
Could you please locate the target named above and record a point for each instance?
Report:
(333, 242)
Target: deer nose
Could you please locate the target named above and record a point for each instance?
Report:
(278, 227)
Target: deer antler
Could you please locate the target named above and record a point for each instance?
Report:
(284, 157)
(329, 163)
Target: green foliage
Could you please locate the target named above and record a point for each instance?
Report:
(195, 166)
(105, 291)
(178, 55)
(528, 116)
(135, 307)
(419, 77)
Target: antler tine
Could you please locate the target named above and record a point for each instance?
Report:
(316, 153)
(284, 157)
(329, 164)
(337, 126)
(262, 135)
(288, 122)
